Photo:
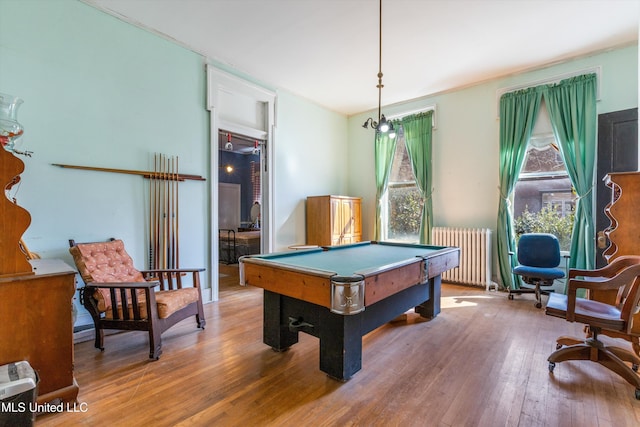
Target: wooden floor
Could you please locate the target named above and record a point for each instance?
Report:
(481, 362)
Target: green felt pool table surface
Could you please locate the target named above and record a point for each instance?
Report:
(359, 258)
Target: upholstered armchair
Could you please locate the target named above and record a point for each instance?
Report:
(120, 297)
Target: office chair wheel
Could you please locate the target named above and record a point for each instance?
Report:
(510, 296)
(552, 366)
(538, 305)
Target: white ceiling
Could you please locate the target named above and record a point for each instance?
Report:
(327, 50)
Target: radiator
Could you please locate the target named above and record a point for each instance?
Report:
(475, 255)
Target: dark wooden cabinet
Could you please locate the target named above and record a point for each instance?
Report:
(36, 326)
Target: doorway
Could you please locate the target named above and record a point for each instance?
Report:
(242, 117)
(239, 202)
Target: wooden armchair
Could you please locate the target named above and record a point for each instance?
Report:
(622, 276)
(120, 297)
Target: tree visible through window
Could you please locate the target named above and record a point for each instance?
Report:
(403, 199)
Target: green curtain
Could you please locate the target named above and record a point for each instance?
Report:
(572, 110)
(518, 112)
(417, 138)
(384, 150)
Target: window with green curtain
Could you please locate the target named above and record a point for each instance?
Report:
(416, 133)
(572, 110)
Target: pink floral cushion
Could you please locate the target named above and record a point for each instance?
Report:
(105, 262)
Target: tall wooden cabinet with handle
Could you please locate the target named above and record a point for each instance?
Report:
(623, 232)
(334, 220)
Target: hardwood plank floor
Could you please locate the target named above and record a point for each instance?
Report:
(481, 362)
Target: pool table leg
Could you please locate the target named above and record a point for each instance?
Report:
(275, 332)
(431, 308)
(340, 345)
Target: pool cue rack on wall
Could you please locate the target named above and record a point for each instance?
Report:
(163, 232)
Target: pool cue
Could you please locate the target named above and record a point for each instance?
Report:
(172, 243)
(157, 214)
(177, 222)
(163, 213)
(150, 223)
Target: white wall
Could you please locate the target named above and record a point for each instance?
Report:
(466, 139)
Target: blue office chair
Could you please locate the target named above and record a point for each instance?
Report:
(538, 259)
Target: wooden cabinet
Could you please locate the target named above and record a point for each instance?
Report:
(334, 220)
(37, 326)
(624, 229)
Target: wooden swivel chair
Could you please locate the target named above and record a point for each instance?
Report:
(600, 318)
(538, 259)
(611, 297)
(120, 297)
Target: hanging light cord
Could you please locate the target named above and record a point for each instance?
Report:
(380, 85)
(382, 125)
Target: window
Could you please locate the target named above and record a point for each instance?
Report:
(403, 201)
(544, 200)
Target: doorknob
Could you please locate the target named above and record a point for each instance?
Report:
(602, 240)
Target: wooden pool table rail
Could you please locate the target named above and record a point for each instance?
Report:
(314, 285)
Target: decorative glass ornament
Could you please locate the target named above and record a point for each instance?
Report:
(10, 129)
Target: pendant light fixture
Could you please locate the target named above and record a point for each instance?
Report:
(382, 125)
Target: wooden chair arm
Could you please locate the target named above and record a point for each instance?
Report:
(609, 270)
(173, 270)
(623, 279)
(130, 285)
(171, 279)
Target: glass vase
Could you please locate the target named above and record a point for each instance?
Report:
(10, 129)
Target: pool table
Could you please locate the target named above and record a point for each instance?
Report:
(340, 293)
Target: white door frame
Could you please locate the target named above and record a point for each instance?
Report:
(225, 84)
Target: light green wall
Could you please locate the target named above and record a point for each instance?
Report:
(465, 141)
(311, 160)
(100, 92)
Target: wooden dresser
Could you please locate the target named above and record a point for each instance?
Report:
(37, 326)
(334, 220)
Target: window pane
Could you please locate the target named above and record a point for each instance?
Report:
(401, 171)
(544, 200)
(545, 159)
(405, 210)
(404, 202)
